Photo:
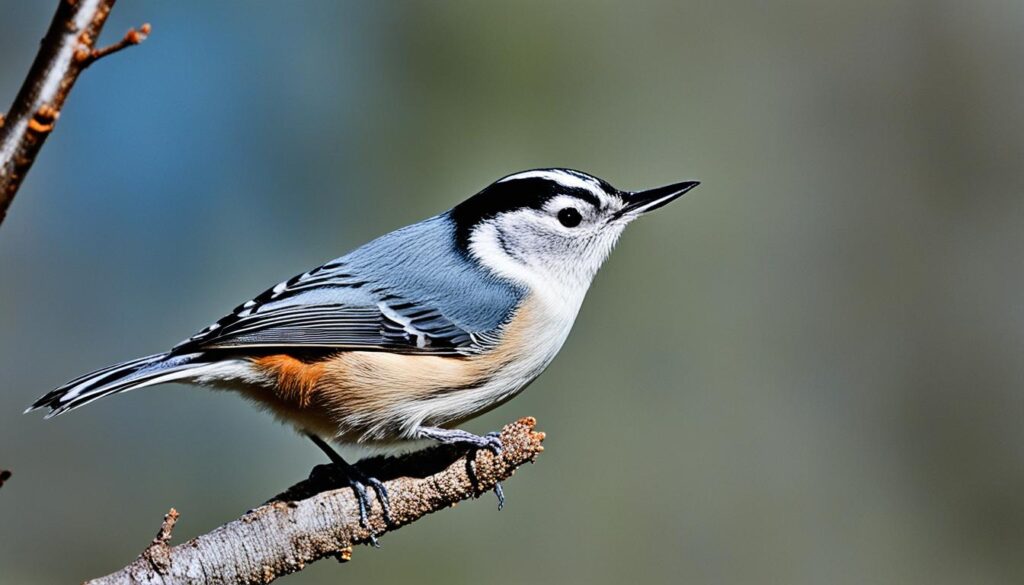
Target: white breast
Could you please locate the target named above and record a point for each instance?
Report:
(528, 344)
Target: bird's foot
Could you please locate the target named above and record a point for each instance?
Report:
(490, 441)
(349, 475)
(345, 473)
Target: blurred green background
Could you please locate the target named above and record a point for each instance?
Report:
(807, 371)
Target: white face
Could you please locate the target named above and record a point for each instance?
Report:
(558, 248)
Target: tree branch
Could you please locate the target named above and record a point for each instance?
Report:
(315, 519)
(66, 50)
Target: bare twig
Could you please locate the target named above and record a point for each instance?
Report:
(132, 37)
(314, 519)
(66, 50)
(158, 553)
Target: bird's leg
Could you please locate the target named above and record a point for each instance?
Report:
(358, 481)
(490, 441)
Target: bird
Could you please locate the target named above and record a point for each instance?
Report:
(410, 335)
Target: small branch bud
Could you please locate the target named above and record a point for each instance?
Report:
(132, 37)
(166, 527)
(43, 120)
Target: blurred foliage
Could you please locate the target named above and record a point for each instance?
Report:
(808, 371)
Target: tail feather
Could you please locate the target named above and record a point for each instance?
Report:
(137, 373)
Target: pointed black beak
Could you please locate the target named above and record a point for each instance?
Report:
(638, 202)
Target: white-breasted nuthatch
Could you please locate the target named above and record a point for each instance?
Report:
(414, 333)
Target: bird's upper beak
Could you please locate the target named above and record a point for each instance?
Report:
(638, 202)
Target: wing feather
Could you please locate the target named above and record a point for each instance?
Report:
(320, 308)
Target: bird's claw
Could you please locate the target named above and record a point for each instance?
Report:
(382, 496)
(357, 480)
(492, 442)
(500, 493)
(496, 446)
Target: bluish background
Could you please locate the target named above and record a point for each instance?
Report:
(807, 371)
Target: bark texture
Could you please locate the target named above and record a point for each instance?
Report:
(314, 519)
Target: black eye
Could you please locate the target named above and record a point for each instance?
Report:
(569, 217)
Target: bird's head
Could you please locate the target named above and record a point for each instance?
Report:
(550, 227)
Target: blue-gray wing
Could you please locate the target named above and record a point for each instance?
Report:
(406, 292)
(320, 310)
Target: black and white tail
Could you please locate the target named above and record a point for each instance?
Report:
(137, 373)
